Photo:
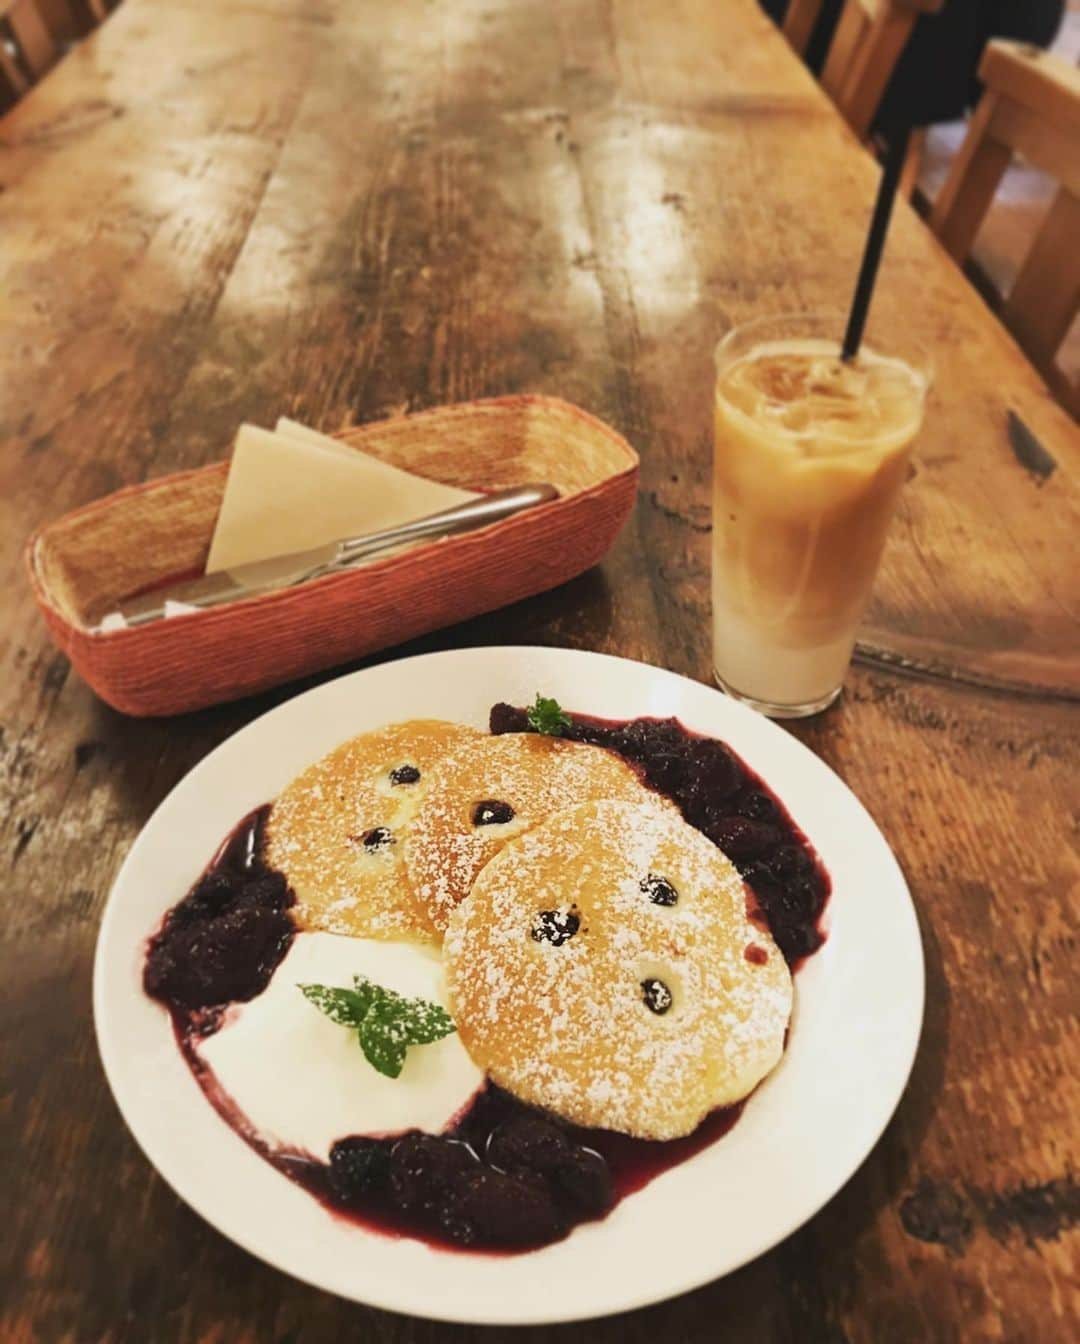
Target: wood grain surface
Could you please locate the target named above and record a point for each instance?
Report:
(223, 209)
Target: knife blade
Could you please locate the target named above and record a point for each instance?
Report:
(286, 571)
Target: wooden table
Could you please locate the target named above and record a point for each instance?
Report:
(216, 210)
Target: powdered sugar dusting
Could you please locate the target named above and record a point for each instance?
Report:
(537, 776)
(316, 830)
(567, 1026)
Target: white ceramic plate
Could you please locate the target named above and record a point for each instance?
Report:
(858, 1012)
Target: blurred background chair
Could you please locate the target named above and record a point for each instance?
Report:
(35, 34)
(907, 63)
(866, 43)
(935, 80)
(68, 20)
(29, 48)
(1030, 108)
(798, 23)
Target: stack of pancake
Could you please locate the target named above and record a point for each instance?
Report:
(600, 958)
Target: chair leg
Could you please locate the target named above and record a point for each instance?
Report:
(1045, 295)
(872, 69)
(66, 20)
(35, 42)
(13, 83)
(799, 23)
(973, 179)
(913, 161)
(842, 50)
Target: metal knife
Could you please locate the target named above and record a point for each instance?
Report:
(285, 571)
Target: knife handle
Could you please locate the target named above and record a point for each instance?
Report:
(462, 518)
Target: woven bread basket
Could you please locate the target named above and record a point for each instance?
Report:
(84, 564)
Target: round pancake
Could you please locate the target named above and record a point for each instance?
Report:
(492, 789)
(338, 831)
(604, 967)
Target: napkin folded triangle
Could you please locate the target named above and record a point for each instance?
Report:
(295, 488)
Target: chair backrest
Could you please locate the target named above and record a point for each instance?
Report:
(869, 38)
(1030, 107)
(68, 20)
(29, 46)
(34, 34)
(799, 21)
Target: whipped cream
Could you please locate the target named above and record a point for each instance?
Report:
(302, 1081)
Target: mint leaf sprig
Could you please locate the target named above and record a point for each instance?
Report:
(386, 1023)
(547, 716)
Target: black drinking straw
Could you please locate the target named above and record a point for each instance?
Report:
(875, 244)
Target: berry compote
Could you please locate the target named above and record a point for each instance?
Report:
(223, 941)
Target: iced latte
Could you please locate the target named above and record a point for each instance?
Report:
(811, 453)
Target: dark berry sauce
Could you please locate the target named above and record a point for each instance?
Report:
(505, 1177)
(223, 941)
(718, 793)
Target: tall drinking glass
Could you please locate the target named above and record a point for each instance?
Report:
(811, 454)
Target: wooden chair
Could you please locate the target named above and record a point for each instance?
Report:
(799, 21)
(13, 82)
(34, 34)
(68, 20)
(867, 43)
(28, 47)
(1031, 108)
